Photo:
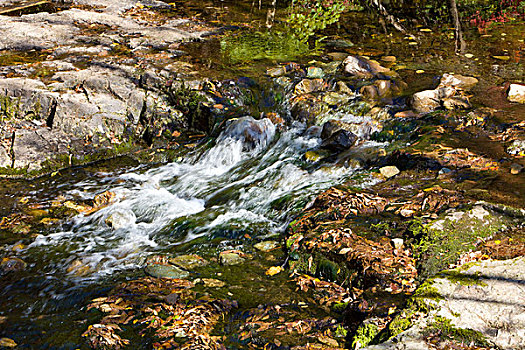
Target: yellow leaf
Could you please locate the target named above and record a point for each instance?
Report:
(497, 241)
(274, 270)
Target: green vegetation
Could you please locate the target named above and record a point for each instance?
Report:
(365, 334)
(444, 328)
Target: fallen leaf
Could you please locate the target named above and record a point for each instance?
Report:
(274, 270)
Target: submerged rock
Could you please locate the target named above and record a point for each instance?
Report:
(266, 245)
(188, 262)
(231, 258)
(166, 271)
(458, 81)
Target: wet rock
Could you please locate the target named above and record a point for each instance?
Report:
(336, 99)
(79, 268)
(230, 258)
(515, 168)
(358, 66)
(166, 271)
(389, 171)
(266, 246)
(363, 68)
(276, 72)
(7, 343)
(344, 89)
(337, 56)
(429, 100)
(12, 264)
(253, 133)
(307, 86)
(120, 218)
(516, 93)
(188, 262)
(517, 148)
(405, 114)
(314, 73)
(456, 102)
(457, 81)
(339, 141)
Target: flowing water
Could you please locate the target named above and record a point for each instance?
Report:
(247, 184)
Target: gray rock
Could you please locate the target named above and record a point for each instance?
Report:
(516, 93)
(31, 148)
(488, 297)
(429, 100)
(166, 271)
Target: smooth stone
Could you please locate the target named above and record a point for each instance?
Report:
(307, 86)
(213, 283)
(165, 271)
(120, 218)
(389, 171)
(458, 81)
(515, 168)
(340, 141)
(337, 56)
(188, 262)
(405, 114)
(7, 343)
(516, 93)
(314, 73)
(390, 59)
(517, 148)
(266, 246)
(398, 242)
(229, 258)
(276, 72)
(78, 268)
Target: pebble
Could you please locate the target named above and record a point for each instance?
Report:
(266, 246)
(389, 171)
(314, 73)
(188, 262)
(165, 271)
(229, 258)
(398, 243)
(516, 168)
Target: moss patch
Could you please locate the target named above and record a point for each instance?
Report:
(446, 331)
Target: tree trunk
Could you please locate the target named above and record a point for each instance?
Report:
(458, 33)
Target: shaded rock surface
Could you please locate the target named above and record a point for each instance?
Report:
(487, 297)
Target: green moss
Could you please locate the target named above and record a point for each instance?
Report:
(365, 334)
(444, 327)
(440, 243)
(462, 278)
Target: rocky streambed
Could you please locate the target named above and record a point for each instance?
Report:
(338, 201)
